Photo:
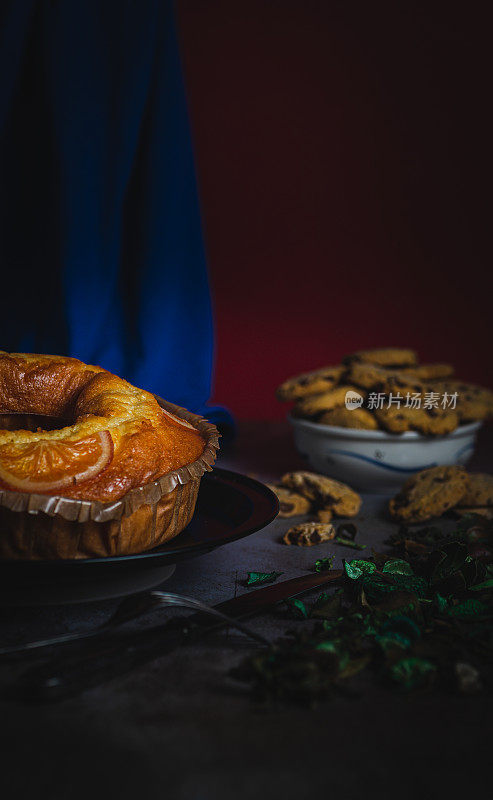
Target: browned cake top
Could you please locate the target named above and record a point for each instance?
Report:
(104, 435)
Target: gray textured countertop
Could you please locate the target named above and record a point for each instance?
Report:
(182, 728)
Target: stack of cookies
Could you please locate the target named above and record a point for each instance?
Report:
(434, 491)
(397, 394)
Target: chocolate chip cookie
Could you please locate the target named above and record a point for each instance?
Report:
(325, 515)
(349, 418)
(324, 492)
(482, 511)
(291, 504)
(384, 357)
(428, 372)
(429, 494)
(429, 421)
(480, 491)
(378, 379)
(315, 382)
(309, 407)
(309, 533)
(472, 402)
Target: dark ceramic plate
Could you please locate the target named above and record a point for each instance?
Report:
(229, 507)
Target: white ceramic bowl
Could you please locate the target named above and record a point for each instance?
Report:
(377, 461)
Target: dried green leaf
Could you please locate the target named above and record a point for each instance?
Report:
(411, 583)
(487, 584)
(398, 567)
(349, 543)
(485, 579)
(468, 608)
(324, 564)
(440, 602)
(335, 649)
(357, 567)
(449, 560)
(397, 603)
(327, 647)
(327, 607)
(392, 640)
(412, 672)
(403, 625)
(255, 578)
(297, 608)
(376, 587)
(354, 666)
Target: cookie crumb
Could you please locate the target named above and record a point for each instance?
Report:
(309, 533)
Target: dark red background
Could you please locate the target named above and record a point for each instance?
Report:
(341, 151)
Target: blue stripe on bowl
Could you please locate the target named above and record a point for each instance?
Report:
(460, 453)
(382, 464)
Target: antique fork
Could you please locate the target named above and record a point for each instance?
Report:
(132, 608)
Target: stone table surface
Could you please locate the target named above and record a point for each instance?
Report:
(182, 728)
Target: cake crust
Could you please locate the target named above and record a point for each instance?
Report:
(138, 440)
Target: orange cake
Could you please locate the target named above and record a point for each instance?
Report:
(114, 436)
(74, 431)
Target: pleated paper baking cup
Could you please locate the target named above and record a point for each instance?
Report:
(36, 526)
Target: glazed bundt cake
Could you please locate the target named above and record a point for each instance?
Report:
(95, 436)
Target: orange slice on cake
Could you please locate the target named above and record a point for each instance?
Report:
(178, 420)
(51, 464)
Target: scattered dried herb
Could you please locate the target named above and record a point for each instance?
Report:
(356, 568)
(297, 608)
(349, 543)
(397, 566)
(411, 673)
(324, 564)
(255, 578)
(486, 584)
(417, 621)
(327, 606)
(471, 529)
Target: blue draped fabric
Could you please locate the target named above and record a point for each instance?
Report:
(101, 245)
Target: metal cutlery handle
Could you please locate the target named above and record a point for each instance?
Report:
(112, 654)
(169, 599)
(75, 672)
(133, 608)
